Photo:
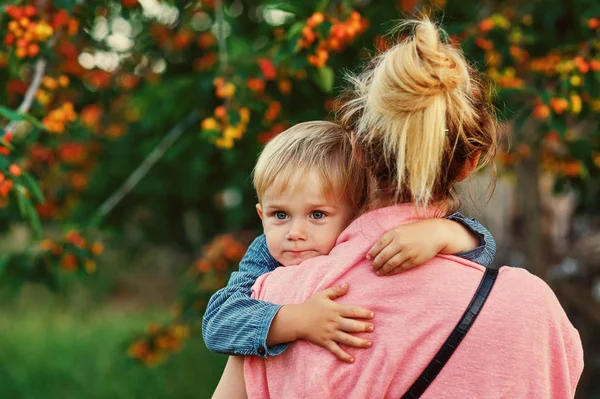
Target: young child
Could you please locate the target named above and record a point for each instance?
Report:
(309, 190)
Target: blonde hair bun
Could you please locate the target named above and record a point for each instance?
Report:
(419, 111)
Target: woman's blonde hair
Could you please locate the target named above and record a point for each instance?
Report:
(418, 113)
(320, 146)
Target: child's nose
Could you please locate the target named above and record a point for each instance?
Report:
(296, 232)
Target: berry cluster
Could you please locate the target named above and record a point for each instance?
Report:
(24, 32)
(341, 33)
(57, 119)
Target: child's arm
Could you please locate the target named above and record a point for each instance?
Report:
(413, 244)
(236, 324)
(323, 322)
(232, 384)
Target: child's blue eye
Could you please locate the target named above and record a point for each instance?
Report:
(280, 215)
(318, 215)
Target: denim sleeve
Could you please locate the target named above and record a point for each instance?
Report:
(236, 324)
(485, 253)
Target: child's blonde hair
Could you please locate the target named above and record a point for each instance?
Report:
(320, 146)
(419, 112)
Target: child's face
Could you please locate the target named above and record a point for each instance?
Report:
(302, 222)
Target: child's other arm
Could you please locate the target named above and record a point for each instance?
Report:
(413, 244)
(485, 252)
(232, 384)
(233, 322)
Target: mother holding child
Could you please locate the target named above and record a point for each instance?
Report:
(345, 208)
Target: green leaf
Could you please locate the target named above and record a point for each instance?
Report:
(17, 116)
(33, 187)
(27, 210)
(322, 5)
(559, 124)
(65, 4)
(10, 114)
(295, 29)
(323, 78)
(34, 121)
(34, 221)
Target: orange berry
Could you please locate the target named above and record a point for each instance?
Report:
(33, 49)
(486, 25)
(220, 112)
(218, 82)
(244, 115)
(541, 111)
(210, 124)
(559, 105)
(256, 84)
(572, 169)
(484, 43)
(63, 80)
(49, 83)
(97, 248)
(21, 52)
(30, 11)
(285, 86)
(47, 244)
(593, 23)
(69, 262)
(9, 39)
(22, 43)
(24, 22)
(315, 19)
(226, 91)
(267, 68)
(14, 170)
(13, 26)
(581, 64)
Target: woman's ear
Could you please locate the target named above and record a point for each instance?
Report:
(469, 166)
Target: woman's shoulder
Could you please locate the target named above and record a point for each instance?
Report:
(526, 296)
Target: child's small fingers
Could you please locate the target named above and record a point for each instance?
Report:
(335, 291)
(351, 340)
(379, 245)
(334, 348)
(355, 312)
(383, 257)
(354, 326)
(392, 263)
(407, 265)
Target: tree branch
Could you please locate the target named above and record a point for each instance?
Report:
(222, 43)
(40, 68)
(142, 169)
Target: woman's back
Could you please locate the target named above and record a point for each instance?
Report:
(522, 344)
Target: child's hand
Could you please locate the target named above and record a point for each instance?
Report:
(406, 246)
(327, 323)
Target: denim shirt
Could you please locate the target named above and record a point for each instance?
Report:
(236, 324)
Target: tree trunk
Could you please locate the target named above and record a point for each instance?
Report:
(530, 205)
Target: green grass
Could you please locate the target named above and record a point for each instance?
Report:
(63, 355)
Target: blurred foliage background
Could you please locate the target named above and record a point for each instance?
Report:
(130, 128)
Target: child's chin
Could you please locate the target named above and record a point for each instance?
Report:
(292, 260)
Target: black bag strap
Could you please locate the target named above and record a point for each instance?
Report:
(456, 336)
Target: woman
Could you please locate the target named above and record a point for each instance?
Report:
(421, 122)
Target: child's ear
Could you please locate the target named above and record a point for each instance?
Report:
(259, 211)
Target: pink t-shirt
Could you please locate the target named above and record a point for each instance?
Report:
(521, 346)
